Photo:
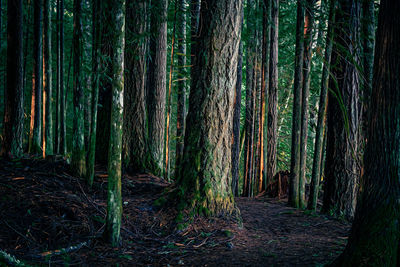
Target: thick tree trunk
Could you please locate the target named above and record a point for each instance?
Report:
(36, 109)
(272, 134)
(323, 101)
(114, 199)
(135, 135)
(342, 161)
(14, 94)
(308, 40)
(206, 168)
(157, 86)
(375, 235)
(96, 35)
(48, 84)
(78, 163)
(181, 85)
(297, 99)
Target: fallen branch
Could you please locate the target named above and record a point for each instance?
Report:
(64, 250)
(10, 259)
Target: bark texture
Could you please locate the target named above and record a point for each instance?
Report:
(344, 114)
(78, 162)
(14, 93)
(63, 125)
(206, 170)
(135, 128)
(374, 238)
(157, 86)
(48, 77)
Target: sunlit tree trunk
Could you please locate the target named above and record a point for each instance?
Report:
(157, 86)
(48, 84)
(342, 155)
(323, 101)
(206, 169)
(375, 234)
(78, 162)
(36, 109)
(114, 199)
(14, 93)
(297, 99)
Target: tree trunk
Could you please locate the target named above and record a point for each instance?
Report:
(14, 94)
(135, 135)
(36, 109)
(48, 84)
(181, 86)
(58, 93)
(319, 136)
(250, 98)
(206, 169)
(194, 26)
(96, 35)
(375, 235)
(114, 199)
(272, 134)
(342, 161)
(297, 99)
(308, 40)
(78, 163)
(157, 86)
(63, 125)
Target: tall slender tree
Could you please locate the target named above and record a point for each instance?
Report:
(157, 86)
(323, 102)
(205, 177)
(63, 125)
(375, 235)
(14, 93)
(297, 99)
(78, 162)
(48, 83)
(36, 108)
(342, 156)
(181, 84)
(114, 199)
(272, 134)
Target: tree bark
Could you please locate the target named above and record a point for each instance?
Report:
(342, 160)
(114, 199)
(48, 84)
(297, 99)
(272, 134)
(323, 101)
(375, 234)
(36, 110)
(157, 86)
(14, 94)
(135, 135)
(181, 86)
(63, 125)
(78, 163)
(206, 168)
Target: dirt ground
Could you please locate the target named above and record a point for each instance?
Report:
(48, 217)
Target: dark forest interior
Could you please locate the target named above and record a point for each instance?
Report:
(199, 133)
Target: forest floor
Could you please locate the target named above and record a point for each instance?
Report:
(48, 217)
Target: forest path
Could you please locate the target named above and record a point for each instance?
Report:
(44, 209)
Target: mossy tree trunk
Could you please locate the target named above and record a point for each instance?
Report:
(36, 109)
(375, 234)
(342, 155)
(114, 199)
(78, 163)
(48, 83)
(157, 87)
(297, 99)
(135, 128)
(14, 93)
(323, 102)
(206, 169)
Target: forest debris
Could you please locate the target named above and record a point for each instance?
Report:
(10, 259)
(64, 250)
